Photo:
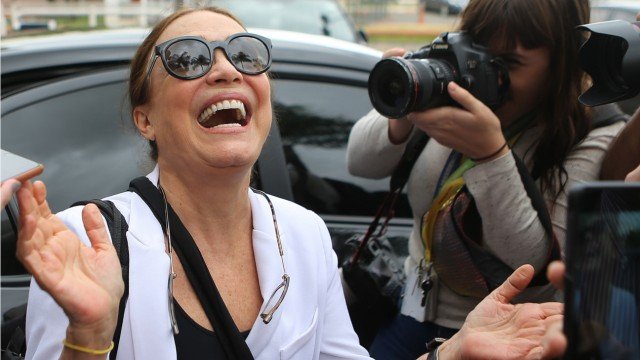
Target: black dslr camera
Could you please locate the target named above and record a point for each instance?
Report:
(611, 56)
(418, 81)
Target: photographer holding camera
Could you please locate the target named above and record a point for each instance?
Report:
(508, 138)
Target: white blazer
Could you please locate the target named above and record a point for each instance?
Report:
(311, 323)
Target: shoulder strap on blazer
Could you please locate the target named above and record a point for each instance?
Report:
(118, 229)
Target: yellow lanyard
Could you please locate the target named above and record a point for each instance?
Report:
(448, 192)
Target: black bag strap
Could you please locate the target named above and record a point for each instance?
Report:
(118, 228)
(232, 342)
(412, 151)
(399, 178)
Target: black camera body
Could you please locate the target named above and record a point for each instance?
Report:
(418, 81)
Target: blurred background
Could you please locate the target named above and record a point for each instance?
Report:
(378, 23)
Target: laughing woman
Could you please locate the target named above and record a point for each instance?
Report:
(252, 276)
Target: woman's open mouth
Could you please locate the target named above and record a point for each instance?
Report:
(227, 113)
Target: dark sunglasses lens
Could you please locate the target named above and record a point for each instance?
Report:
(188, 58)
(248, 54)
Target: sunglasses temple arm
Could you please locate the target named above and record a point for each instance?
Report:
(153, 62)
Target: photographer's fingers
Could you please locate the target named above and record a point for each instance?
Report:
(464, 98)
(393, 52)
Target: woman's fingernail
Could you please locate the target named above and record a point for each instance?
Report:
(16, 186)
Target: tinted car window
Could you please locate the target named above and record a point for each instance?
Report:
(85, 134)
(83, 137)
(315, 121)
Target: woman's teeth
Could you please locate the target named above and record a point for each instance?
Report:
(237, 105)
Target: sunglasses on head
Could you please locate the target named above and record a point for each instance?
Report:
(191, 57)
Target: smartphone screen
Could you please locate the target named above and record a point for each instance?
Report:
(13, 166)
(602, 295)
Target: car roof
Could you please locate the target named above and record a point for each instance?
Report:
(112, 46)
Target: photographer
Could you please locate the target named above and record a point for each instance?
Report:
(540, 122)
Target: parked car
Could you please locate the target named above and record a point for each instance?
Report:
(446, 7)
(318, 17)
(64, 105)
(614, 10)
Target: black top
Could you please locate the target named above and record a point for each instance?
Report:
(196, 342)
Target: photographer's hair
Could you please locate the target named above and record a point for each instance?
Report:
(550, 24)
(138, 87)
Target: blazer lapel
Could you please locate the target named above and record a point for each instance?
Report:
(268, 264)
(148, 284)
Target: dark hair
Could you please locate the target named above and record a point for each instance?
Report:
(138, 89)
(550, 24)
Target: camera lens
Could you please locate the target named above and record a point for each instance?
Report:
(611, 55)
(399, 86)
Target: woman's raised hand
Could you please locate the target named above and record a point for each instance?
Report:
(85, 281)
(473, 130)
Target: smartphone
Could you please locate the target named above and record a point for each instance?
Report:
(602, 281)
(13, 166)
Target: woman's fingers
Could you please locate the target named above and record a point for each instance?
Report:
(8, 188)
(555, 274)
(26, 200)
(514, 285)
(40, 194)
(554, 342)
(27, 248)
(552, 309)
(94, 226)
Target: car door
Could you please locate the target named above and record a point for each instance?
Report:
(315, 108)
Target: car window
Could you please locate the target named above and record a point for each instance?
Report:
(82, 136)
(315, 120)
(84, 139)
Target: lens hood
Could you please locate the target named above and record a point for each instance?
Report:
(611, 56)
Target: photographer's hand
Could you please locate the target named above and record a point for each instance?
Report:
(473, 130)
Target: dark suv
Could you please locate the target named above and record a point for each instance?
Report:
(64, 105)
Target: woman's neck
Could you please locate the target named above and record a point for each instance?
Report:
(215, 208)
